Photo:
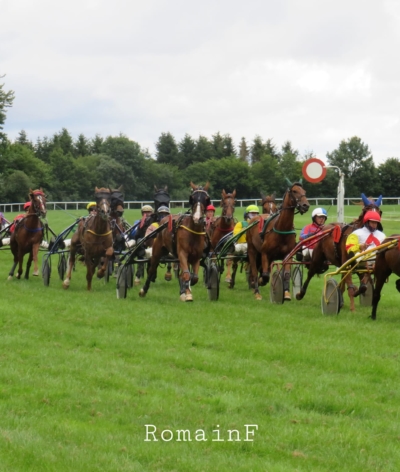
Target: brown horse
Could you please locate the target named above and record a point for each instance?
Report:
(28, 234)
(386, 262)
(269, 207)
(329, 250)
(185, 239)
(279, 237)
(94, 235)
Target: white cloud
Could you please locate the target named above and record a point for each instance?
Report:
(310, 72)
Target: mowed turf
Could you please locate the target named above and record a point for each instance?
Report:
(82, 374)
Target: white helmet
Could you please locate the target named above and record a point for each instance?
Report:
(319, 212)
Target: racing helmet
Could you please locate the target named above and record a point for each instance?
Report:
(252, 209)
(319, 212)
(372, 216)
(163, 209)
(210, 207)
(90, 206)
(147, 208)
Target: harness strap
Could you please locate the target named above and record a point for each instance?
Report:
(96, 234)
(190, 230)
(283, 232)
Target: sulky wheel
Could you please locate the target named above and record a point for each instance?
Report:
(46, 270)
(62, 266)
(366, 297)
(213, 282)
(331, 301)
(122, 279)
(276, 291)
(297, 280)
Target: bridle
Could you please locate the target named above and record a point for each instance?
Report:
(296, 200)
(103, 204)
(39, 203)
(226, 206)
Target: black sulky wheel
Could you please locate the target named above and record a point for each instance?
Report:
(130, 272)
(109, 271)
(213, 282)
(332, 299)
(122, 278)
(297, 280)
(366, 297)
(46, 270)
(276, 292)
(62, 265)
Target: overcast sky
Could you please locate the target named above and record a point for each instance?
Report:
(314, 72)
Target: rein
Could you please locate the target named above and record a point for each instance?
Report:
(191, 231)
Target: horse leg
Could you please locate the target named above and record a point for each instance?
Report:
(11, 273)
(234, 263)
(35, 252)
(28, 265)
(71, 263)
(286, 283)
(351, 290)
(185, 293)
(20, 262)
(379, 281)
(265, 274)
(108, 256)
(152, 271)
(168, 275)
(139, 273)
(90, 266)
(311, 272)
(254, 270)
(228, 277)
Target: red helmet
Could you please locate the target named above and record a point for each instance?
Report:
(210, 207)
(372, 216)
(27, 205)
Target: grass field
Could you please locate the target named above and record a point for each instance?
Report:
(82, 374)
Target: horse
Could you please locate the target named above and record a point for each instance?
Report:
(161, 197)
(277, 238)
(387, 261)
(269, 207)
(94, 235)
(28, 234)
(185, 239)
(332, 250)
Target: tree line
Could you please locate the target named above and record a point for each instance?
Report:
(69, 169)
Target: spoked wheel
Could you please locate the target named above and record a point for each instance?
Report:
(366, 297)
(122, 279)
(213, 282)
(297, 280)
(276, 291)
(332, 299)
(62, 265)
(46, 270)
(130, 272)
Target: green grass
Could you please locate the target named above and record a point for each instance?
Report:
(83, 373)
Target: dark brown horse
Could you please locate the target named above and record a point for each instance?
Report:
(386, 262)
(185, 239)
(28, 234)
(277, 238)
(269, 207)
(94, 235)
(332, 250)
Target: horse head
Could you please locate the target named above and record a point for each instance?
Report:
(268, 204)
(117, 201)
(297, 196)
(103, 201)
(199, 200)
(161, 197)
(38, 199)
(228, 205)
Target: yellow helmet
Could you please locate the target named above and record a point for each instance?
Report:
(90, 205)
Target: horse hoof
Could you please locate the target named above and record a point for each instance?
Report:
(142, 293)
(228, 280)
(183, 297)
(258, 296)
(100, 274)
(136, 282)
(168, 276)
(299, 296)
(10, 277)
(189, 297)
(36, 273)
(65, 285)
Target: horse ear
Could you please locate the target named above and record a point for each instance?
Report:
(288, 182)
(262, 195)
(96, 189)
(166, 188)
(234, 194)
(120, 188)
(301, 181)
(223, 193)
(193, 185)
(365, 200)
(206, 186)
(379, 201)
(155, 188)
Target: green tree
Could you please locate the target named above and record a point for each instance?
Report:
(24, 141)
(389, 177)
(270, 149)
(355, 160)
(267, 176)
(167, 151)
(204, 150)
(17, 187)
(229, 146)
(257, 150)
(81, 146)
(96, 144)
(6, 101)
(244, 151)
(187, 151)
